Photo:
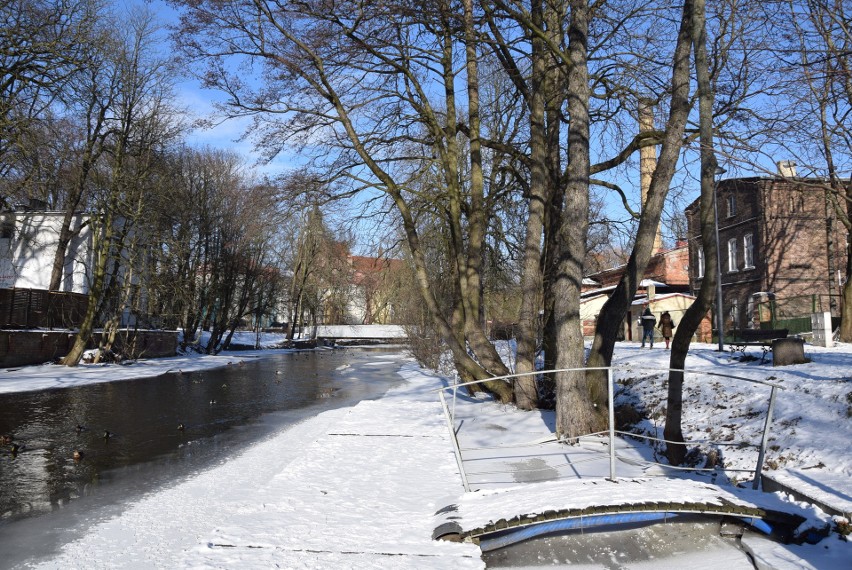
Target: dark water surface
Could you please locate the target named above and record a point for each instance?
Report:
(161, 430)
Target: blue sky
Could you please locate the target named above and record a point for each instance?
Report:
(199, 102)
(227, 134)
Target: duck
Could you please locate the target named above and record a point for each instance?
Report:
(80, 428)
(212, 402)
(181, 427)
(14, 449)
(108, 434)
(6, 439)
(78, 455)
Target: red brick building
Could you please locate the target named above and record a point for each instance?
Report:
(665, 282)
(670, 267)
(778, 240)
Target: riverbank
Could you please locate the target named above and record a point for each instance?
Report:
(353, 487)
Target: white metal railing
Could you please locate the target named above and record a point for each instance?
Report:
(611, 432)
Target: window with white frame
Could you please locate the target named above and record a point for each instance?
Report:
(748, 251)
(732, 205)
(700, 262)
(732, 254)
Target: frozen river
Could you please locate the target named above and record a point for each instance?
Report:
(160, 430)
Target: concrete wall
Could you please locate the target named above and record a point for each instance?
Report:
(23, 348)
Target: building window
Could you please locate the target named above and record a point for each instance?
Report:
(748, 251)
(732, 205)
(7, 229)
(700, 262)
(796, 201)
(732, 255)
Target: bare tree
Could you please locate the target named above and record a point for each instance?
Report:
(612, 313)
(689, 322)
(816, 63)
(42, 45)
(190, 239)
(139, 126)
(400, 121)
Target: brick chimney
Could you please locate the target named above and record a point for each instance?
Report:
(787, 168)
(648, 162)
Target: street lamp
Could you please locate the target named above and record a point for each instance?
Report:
(720, 319)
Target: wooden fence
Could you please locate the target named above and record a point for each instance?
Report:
(38, 308)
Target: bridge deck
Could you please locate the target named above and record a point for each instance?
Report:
(479, 514)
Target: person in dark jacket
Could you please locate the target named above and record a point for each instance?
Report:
(666, 326)
(648, 322)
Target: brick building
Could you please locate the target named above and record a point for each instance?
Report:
(665, 284)
(778, 241)
(669, 267)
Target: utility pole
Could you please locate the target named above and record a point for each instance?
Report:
(720, 319)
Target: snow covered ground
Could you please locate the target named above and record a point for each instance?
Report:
(811, 431)
(359, 487)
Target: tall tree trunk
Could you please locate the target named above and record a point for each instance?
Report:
(613, 312)
(481, 346)
(526, 396)
(554, 88)
(576, 414)
(673, 432)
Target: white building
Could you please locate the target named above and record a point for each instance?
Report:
(28, 241)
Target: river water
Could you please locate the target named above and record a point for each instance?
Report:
(138, 435)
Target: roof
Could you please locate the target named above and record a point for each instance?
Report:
(599, 291)
(643, 299)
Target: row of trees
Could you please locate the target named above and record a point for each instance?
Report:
(182, 237)
(488, 128)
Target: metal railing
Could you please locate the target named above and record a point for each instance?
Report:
(611, 432)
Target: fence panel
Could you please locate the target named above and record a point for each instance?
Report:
(37, 308)
(794, 313)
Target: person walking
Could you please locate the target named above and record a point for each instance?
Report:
(666, 326)
(648, 322)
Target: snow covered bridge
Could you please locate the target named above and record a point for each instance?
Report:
(361, 333)
(497, 518)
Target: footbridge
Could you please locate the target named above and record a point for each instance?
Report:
(495, 519)
(521, 481)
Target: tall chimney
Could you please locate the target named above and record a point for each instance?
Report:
(648, 162)
(787, 168)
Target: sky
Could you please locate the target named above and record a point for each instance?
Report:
(361, 487)
(198, 102)
(227, 134)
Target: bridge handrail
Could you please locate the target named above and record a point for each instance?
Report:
(450, 415)
(614, 368)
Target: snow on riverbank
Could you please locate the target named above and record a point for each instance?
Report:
(350, 488)
(50, 376)
(811, 430)
(358, 487)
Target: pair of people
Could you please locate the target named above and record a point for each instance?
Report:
(649, 320)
